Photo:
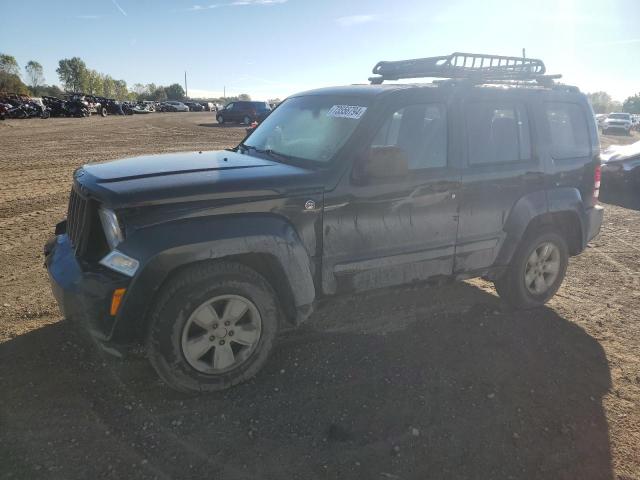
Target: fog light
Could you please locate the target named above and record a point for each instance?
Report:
(120, 262)
(116, 300)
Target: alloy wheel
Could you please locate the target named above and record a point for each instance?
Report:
(221, 334)
(542, 268)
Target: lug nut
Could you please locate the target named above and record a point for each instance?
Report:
(215, 325)
(231, 333)
(212, 338)
(227, 323)
(221, 342)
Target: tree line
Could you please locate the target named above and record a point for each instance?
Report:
(75, 76)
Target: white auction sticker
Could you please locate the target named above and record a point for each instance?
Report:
(346, 111)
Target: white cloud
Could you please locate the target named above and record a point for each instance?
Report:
(119, 8)
(235, 3)
(351, 20)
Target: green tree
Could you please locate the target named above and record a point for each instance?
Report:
(51, 91)
(601, 102)
(34, 75)
(73, 73)
(108, 86)
(11, 83)
(159, 95)
(92, 83)
(121, 92)
(9, 65)
(632, 104)
(244, 97)
(174, 92)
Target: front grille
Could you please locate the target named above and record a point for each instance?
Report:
(79, 221)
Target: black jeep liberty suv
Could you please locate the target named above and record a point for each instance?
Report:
(492, 171)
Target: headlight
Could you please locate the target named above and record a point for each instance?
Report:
(120, 262)
(111, 227)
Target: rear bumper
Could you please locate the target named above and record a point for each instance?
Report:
(593, 222)
(83, 293)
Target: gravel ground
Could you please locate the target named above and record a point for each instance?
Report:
(398, 384)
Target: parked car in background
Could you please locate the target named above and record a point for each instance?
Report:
(600, 118)
(621, 164)
(174, 106)
(194, 106)
(208, 106)
(617, 122)
(244, 112)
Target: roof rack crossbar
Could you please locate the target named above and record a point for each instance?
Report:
(473, 66)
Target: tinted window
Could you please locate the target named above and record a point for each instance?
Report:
(260, 106)
(569, 130)
(421, 131)
(497, 133)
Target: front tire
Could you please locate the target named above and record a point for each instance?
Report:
(212, 327)
(536, 271)
(220, 119)
(246, 120)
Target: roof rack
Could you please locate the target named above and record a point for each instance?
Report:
(475, 67)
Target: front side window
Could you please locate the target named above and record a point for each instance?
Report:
(311, 128)
(569, 130)
(497, 133)
(421, 131)
(230, 106)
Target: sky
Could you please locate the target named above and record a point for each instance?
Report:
(274, 48)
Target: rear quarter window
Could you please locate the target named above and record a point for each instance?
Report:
(497, 132)
(568, 129)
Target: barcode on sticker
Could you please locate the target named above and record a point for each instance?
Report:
(346, 111)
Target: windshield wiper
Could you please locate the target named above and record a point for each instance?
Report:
(266, 151)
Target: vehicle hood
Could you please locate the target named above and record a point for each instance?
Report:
(193, 176)
(617, 153)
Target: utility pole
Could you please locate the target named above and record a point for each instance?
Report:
(224, 93)
(186, 91)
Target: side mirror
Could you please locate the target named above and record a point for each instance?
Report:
(386, 162)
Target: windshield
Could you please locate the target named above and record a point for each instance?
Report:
(310, 128)
(620, 116)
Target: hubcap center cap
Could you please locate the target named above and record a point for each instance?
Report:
(220, 332)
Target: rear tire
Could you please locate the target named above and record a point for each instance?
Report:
(518, 286)
(237, 349)
(103, 112)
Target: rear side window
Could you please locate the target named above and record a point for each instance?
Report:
(569, 130)
(421, 131)
(497, 133)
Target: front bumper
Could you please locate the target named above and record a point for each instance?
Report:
(621, 127)
(83, 292)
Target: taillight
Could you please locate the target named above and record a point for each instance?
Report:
(597, 174)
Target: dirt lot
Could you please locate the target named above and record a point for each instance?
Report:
(402, 384)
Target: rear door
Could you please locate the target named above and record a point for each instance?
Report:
(501, 168)
(230, 112)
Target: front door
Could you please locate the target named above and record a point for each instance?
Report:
(389, 231)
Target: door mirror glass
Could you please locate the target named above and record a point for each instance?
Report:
(386, 162)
